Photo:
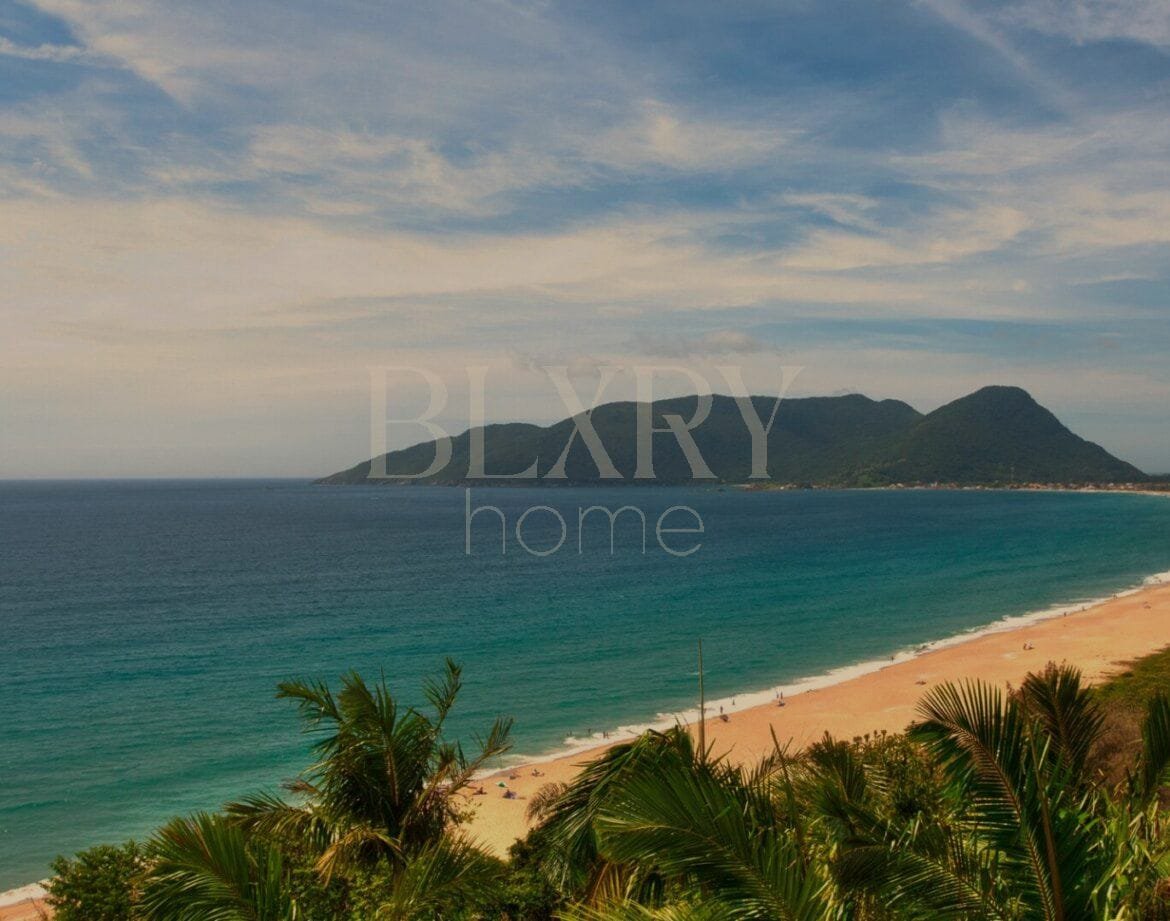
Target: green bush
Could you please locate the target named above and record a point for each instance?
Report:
(525, 894)
(99, 884)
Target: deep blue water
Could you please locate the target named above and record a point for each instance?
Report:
(144, 625)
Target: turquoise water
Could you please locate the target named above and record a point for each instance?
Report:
(145, 624)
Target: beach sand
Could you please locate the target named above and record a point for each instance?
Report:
(1098, 640)
(23, 904)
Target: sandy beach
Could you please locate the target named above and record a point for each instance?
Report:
(1098, 639)
(23, 904)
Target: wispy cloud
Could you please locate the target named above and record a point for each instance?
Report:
(267, 194)
(946, 238)
(1146, 21)
(177, 49)
(716, 343)
(988, 33)
(657, 135)
(57, 54)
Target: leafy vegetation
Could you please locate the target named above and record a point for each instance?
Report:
(993, 806)
(99, 884)
(1017, 805)
(386, 783)
(998, 435)
(1131, 689)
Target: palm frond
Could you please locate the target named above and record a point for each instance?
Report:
(835, 784)
(267, 815)
(541, 803)
(568, 826)
(1068, 714)
(915, 885)
(204, 868)
(692, 823)
(980, 741)
(1018, 796)
(441, 692)
(356, 845)
(437, 877)
(314, 699)
(711, 910)
(1154, 761)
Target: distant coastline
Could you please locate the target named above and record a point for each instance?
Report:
(1156, 487)
(1153, 487)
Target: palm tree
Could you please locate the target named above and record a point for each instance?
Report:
(204, 868)
(632, 911)
(721, 831)
(385, 784)
(567, 837)
(1035, 835)
(568, 846)
(442, 874)
(380, 801)
(658, 829)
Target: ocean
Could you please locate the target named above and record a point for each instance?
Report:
(145, 624)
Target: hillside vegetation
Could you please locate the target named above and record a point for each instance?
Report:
(998, 435)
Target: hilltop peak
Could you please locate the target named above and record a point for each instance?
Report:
(1000, 434)
(1000, 393)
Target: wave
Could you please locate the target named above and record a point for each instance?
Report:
(23, 894)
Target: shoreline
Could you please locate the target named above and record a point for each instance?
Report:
(750, 699)
(1099, 637)
(573, 746)
(25, 903)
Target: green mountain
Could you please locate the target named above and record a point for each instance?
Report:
(999, 434)
(996, 435)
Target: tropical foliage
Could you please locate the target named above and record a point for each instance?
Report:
(386, 783)
(1012, 805)
(993, 806)
(369, 831)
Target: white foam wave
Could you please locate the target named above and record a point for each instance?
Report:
(574, 744)
(23, 894)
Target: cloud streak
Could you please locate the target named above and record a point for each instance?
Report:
(57, 54)
(267, 195)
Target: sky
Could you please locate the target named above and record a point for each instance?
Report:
(217, 220)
